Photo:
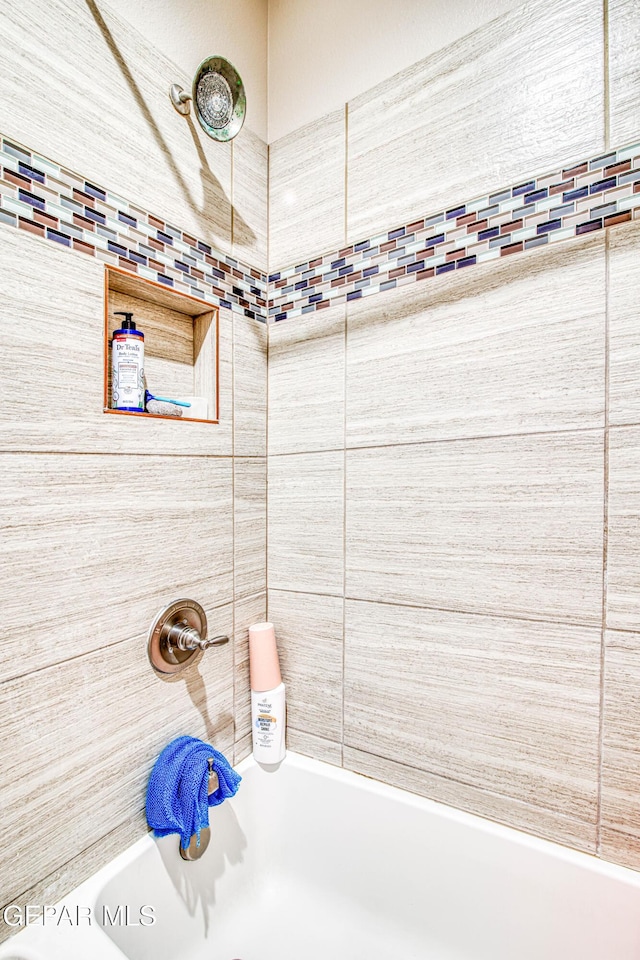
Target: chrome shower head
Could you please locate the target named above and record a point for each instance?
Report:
(218, 97)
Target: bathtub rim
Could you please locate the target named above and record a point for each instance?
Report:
(378, 788)
(35, 942)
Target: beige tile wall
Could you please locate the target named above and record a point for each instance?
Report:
(249, 214)
(624, 70)
(437, 507)
(482, 113)
(310, 647)
(307, 191)
(473, 565)
(304, 353)
(506, 705)
(95, 539)
(621, 750)
(464, 454)
(443, 360)
(502, 525)
(73, 73)
(305, 529)
(106, 519)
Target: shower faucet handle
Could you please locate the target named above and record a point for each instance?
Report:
(218, 641)
(185, 637)
(178, 634)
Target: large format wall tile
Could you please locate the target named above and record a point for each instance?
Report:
(623, 551)
(67, 876)
(624, 71)
(250, 525)
(249, 388)
(317, 747)
(525, 816)
(509, 706)
(620, 805)
(103, 109)
(249, 216)
(92, 775)
(242, 749)
(434, 135)
(512, 526)
(453, 358)
(306, 191)
(93, 546)
(619, 847)
(51, 364)
(624, 331)
(247, 611)
(309, 633)
(305, 523)
(306, 383)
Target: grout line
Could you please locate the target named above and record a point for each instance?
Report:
(481, 789)
(607, 82)
(307, 593)
(268, 75)
(562, 621)
(315, 736)
(268, 372)
(344, 536)
(232, 200)
(605, 545)
(69, 659)
(422, 443)
(250, 597)
(634, 631)
(118, 453)
(59, 870)
(233, 530)
(346, 173)
(54, 664)
(344, 442)
(268, 270)
(266, 492)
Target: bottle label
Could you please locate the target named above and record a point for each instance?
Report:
(127, 381)
(268, 717)
(266, 724)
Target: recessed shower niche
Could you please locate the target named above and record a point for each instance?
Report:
(180, 343)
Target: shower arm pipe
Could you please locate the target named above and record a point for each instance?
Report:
(180, 98)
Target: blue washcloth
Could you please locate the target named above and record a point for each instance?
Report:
(177, 796)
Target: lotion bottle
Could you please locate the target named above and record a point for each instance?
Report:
(268, 711)
(127, 366)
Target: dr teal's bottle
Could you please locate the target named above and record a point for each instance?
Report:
(127, 366)
(267, 695)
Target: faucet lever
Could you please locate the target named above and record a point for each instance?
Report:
(184, 637)
(177, 634)
(218, 641)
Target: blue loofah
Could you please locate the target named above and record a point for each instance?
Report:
(177, 796)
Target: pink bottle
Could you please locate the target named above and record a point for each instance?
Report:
(268, 710)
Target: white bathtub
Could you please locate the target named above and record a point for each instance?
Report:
(311, 863)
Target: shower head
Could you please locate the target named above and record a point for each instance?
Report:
(218, 97)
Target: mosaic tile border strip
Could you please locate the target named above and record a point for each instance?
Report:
(54, 203)
(592, 195)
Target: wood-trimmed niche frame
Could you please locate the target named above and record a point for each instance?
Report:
(205, 324)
